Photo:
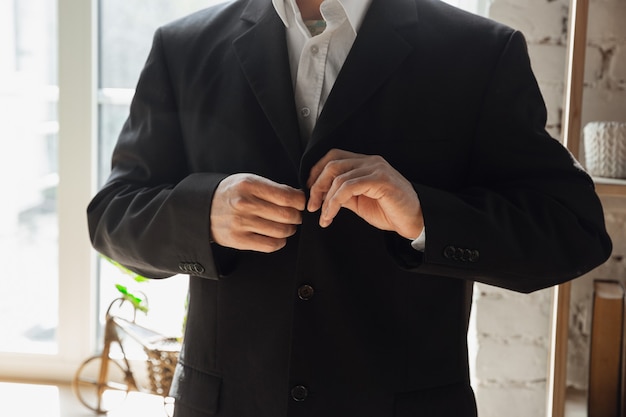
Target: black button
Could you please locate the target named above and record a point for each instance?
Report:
(461, 254)
(299, 393)
(306, 292)
(449, 252)
(191, 267)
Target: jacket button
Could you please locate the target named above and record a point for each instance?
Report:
(306, 292)
(198, 268)
(449, 252)
(299, 393)
(191, 268)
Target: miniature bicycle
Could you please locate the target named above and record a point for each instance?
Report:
(103, 381)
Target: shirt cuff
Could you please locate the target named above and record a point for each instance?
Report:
(419, 244)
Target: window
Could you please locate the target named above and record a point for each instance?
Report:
(29, 164)
(59, 123)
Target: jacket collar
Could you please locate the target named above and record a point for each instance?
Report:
(263, 56)
(355, 10)
(379, 48)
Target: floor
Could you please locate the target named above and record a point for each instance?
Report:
(48, 400)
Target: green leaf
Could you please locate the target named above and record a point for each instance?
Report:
(137, 302)
(136, 277)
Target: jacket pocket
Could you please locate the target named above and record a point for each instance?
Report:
(197, 390)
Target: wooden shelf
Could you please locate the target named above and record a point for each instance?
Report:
(610, 186)
(572, 112)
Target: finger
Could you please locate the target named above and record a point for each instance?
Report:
(261, 243)
(277, 194)
(265, 189)
(268, 245)
(251, 206)
(372, 168)
(332, 155)
(345, 188)
(247, 233)
(324, 180)
(264, 227)
(317, 195)
(317, 169)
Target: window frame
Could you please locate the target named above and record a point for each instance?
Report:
(77, 77)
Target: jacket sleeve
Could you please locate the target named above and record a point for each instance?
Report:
(528, 217)
(152, 215)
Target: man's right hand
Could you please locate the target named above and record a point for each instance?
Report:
(250, 212)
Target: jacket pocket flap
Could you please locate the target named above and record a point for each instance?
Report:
(195, 389)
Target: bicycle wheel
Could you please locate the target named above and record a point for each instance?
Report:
(101, 394)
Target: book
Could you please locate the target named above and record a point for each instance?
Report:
(606, 350)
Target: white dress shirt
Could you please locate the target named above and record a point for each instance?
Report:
(316, 59)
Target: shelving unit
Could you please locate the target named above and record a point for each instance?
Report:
(577, 43)
(610, 186)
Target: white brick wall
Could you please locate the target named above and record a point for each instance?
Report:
(606, 21)
(511, 332)
(618, 67)
(512, 401)
(539, 20)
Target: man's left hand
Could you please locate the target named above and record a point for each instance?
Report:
(370, 187)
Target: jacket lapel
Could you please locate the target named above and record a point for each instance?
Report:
(262, 52)
(378, 50)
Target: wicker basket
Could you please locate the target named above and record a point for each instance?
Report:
(605, 149)
(161, 366)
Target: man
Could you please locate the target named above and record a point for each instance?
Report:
(334, 177)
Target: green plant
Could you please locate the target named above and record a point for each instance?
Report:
(138, 302)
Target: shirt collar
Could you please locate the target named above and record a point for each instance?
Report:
(355, 10)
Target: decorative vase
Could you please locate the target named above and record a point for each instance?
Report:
(605, 149)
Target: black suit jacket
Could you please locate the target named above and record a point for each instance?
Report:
(449, 100)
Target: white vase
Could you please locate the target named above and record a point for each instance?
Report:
(605, 149)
